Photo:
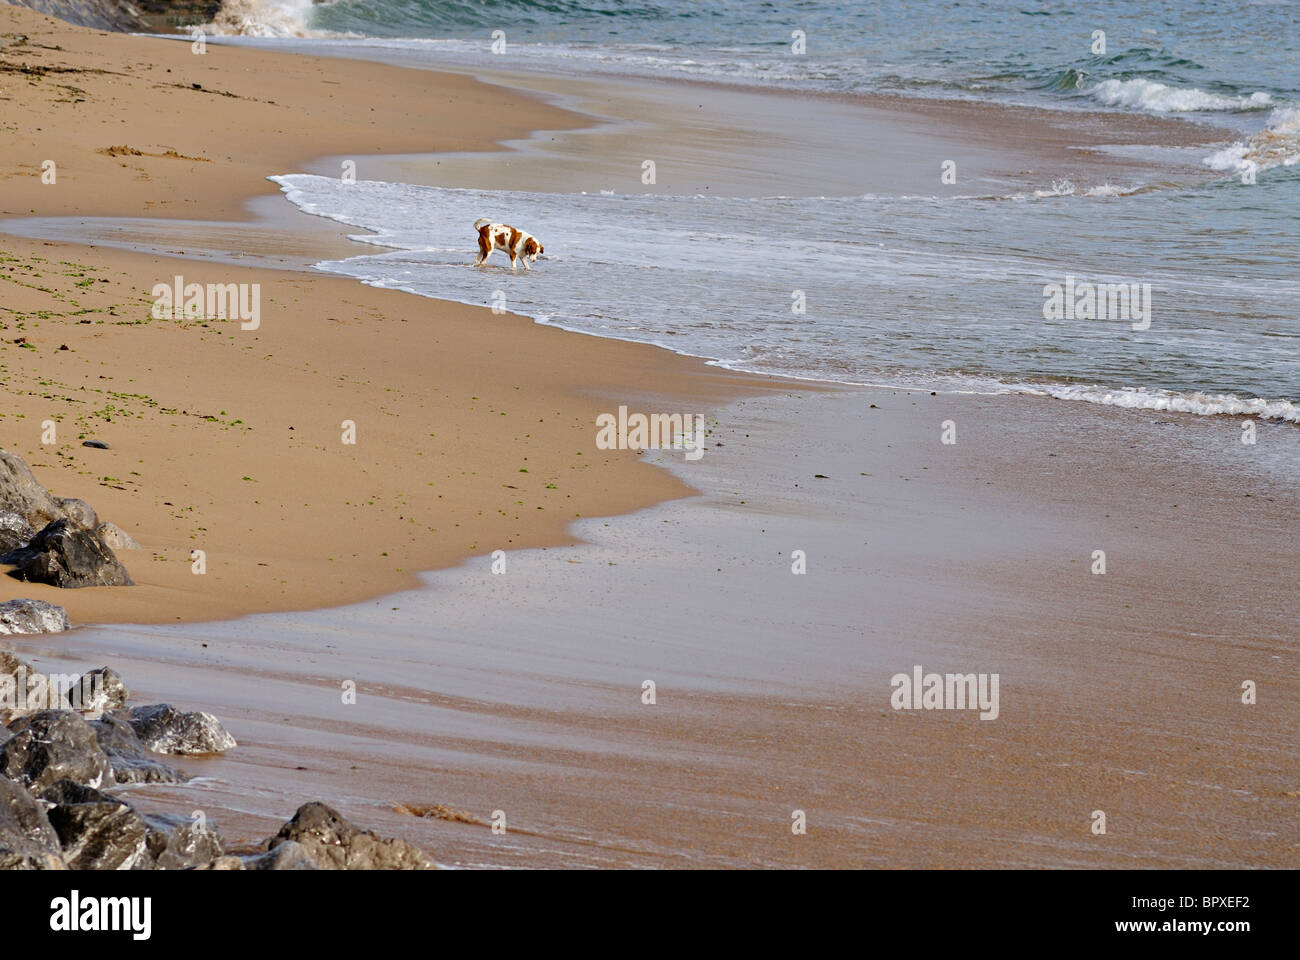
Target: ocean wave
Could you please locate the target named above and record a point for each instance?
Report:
(1277, 145)
(1151, 95)
(1141, 398)
(263, 18)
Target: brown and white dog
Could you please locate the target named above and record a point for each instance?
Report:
(520, 245)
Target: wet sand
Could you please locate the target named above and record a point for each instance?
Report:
(522, 691)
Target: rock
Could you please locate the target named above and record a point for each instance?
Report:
(288, 855)
(96, 444)
(178, 843)
(15, 675)
(27, 840)
(102, 689)
(66, 555)
(54, 745)
(335, 844)
(32, 616)
(126, 754)
(79, 512)
(97, 831)
(116, 537)
(25, 506)
(164, 729)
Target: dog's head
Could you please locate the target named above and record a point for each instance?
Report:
(533, 249)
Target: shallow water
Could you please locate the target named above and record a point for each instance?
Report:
(903, 290)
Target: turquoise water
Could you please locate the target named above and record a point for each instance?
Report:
(1040, 51)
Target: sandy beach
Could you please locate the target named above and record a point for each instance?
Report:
(329, 562)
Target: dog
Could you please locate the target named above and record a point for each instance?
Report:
(520, 245)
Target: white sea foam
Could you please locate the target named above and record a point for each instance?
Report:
(1141, 398)
(1277, 145)
(1142, 94)
(262, 18)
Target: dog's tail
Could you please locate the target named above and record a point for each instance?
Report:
(481, 222)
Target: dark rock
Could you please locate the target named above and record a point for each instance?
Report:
(97, 444)
(333, 843)
(32, 616)
(27, 840)
(127, 756)
(66, 555)
(54, 745)
(178, 843)
(79, 512)
(97, 831)
(164, 729)
(288, 855)
(25, 506)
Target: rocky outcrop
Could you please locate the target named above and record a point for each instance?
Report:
(164, 729)
(54, 745)
(333, 843)
(56, 769)
(54, 540)
(32, 616)
(66, 555)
